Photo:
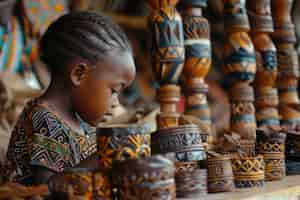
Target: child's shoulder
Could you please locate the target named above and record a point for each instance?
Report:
(36, 114)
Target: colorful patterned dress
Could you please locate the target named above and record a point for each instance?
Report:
(40, 138)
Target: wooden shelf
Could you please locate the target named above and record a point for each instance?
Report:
(287, 189)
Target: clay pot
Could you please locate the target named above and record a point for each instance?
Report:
(121, 142)
(191, 179)
(220, 175)
(83, 183)
(267, 117)
(185, 141)
(248, 171)
(149, 178)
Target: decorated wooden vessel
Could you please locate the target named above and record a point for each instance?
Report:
(149, 178)
(82, 183)
(271, 144)
(191, 179)
(220, 175)
(248, 171)
(185, 141)
(121, 142)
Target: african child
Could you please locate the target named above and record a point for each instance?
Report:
(91, 61)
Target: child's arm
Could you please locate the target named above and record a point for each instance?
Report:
(42, 174)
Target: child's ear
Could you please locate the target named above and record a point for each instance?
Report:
(79, 73)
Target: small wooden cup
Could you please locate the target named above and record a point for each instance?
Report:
(185, 141)
(149, 178)
(121, 142)
(83, 183)
(191, 179)
(248, 171)
(220, 175)
(272, 147)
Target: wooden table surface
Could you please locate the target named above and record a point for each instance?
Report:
(287, 189)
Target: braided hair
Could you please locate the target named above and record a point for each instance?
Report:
(87, 35)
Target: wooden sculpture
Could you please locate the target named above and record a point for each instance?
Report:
(197, 60)
(240, 68)
(288, 66)
(266, 96)
(167, 57)
(168, 61)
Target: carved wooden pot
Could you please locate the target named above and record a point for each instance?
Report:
(191, 179)
(243, 111)
(149, 178)
(272, 147)
(83, 183)
(239, 55)
(220, 175)
(121, 142)
(248, 171)
(185, 141)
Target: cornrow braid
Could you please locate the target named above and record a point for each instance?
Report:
(81, 34)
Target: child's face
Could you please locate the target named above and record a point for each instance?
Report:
(96, 87)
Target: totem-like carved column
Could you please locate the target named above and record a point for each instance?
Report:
(167, 57)
(288, 66)
(266, 95)
(288, 74)
(197, 61)
(240, 68)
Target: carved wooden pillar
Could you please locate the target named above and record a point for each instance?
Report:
(167, 57)
(197, 61)
(266, 95)
(288, 66)
(240, 68)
